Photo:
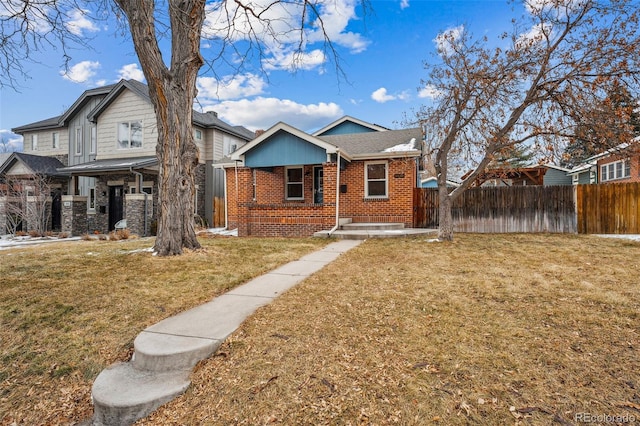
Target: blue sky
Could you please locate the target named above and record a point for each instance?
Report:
(382, 54)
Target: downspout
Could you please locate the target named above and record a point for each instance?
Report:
(337, 225)
(139, 189)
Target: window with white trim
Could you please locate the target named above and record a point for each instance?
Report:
(130, 135)
(616, 170)
(376, 179)
(78, 141)
(229, 145)
(55, 140)
(94, 140)
(197, 134)
(294, 177)
(91, 201)
(34, 142)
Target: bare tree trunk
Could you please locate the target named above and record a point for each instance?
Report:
(172, 91)
(445, 217)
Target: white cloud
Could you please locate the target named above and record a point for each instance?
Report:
(10, 141)
(131, 71)
(293, 61)
(404, 4)
(80, 23)
(262, 113)
(446, 40)
(279, 38)
(429, 92)
(381, 95)
(81, 72)
(230, 87)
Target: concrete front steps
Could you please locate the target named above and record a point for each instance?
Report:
(361, 231)
(166, 352)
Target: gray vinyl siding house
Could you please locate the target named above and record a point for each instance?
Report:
(106, 142)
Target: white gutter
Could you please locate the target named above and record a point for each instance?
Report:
(337, 195)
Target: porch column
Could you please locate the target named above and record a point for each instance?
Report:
(136, 211)
(3, 215)
(74, 214)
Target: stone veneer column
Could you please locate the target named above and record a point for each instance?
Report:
(3, 215)
(74, 214)
(135, 212)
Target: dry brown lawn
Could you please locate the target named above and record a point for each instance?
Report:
(70, 309)
(490, 329)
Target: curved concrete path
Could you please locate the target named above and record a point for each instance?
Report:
(165, 353)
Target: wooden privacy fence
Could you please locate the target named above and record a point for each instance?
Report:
(502, 209)
(609, 208)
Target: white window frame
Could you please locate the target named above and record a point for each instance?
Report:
(91, 199)
(55, 140)
(229, 145)
(34, 142)
(367, 180)
(615, 170)
(78, 141)
(93, 145)
(119, 144)
(197, 134)
(288, 184)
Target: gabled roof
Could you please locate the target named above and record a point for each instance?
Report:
(135, 86)
(389, 143)
(237, 155)
(38, 164)
(62, 120)
(346, 118)
(208, 120)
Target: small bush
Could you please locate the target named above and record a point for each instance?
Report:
(102, 237)
(86, 237)
(63, 235)
(121, 234)
(21, 234)
(34, 234)
(48, 234)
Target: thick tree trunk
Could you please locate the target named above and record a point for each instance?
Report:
(445, 224)
(172, 91)
(177, 158)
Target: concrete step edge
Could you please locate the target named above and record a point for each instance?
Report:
(165, 352)
(123, 394)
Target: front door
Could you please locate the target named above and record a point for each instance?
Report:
(318, 185)
(116, 205)
(56, 210)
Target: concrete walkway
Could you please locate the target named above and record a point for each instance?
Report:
(165, 353)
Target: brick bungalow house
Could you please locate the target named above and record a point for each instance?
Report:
(287, 182)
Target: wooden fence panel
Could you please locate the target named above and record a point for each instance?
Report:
(503, 209)
(608, 208)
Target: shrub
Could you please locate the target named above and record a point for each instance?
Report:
(34, 234)
(86, 237)
(63, 235)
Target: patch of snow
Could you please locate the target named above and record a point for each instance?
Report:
(403, 147)
(433, 240)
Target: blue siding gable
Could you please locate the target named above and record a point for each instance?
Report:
(347, 128)
(284, 149)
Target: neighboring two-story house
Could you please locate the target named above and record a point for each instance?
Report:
(107, 143)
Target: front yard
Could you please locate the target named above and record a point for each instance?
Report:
(490, 329)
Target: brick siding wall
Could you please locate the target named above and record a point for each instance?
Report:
(271, 214)
(634, 161)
